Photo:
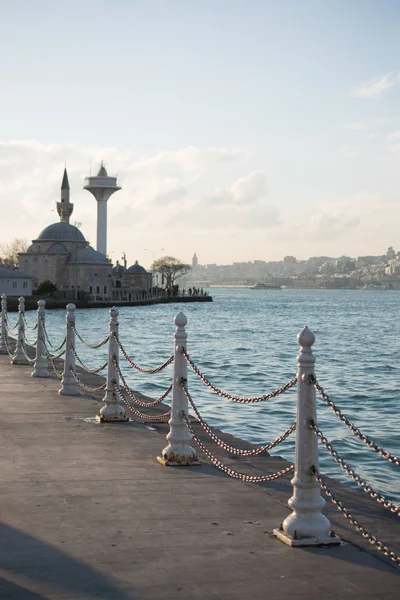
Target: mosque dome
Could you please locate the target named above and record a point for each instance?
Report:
(58, 249)
(136, 268)
(118, 268)
(61, 232)
(90, 255)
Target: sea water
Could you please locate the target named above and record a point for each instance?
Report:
(245, 343)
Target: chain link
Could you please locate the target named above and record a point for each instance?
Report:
(364, 438)
(8, 324)
(394, 508)
(84, 367)
(92, 346)
(231, 472)
(132, 395)
(24, 352)
(27, 342)
(9, 349)
(50, 356)
(233, 449)
(365, 534)
(135, 410)
(27, 324)
(135, 366)
(59, 374)
(242, 400)
(85, 387)
(48, 339)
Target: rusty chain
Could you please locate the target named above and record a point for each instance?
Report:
(135, 366)
(85, 387)
(242, 400)
(27, 324)
(380, 546)
(84, 367)
(227, 447)
(131, 393)
(92, 346)
(231, 472)
(364, 438)
(135, 410)
(394, 508)
(48, 339)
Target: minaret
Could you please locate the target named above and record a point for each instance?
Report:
(195, 261)
(64, 207)
(101, 186)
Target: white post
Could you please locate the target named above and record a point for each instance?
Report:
(19, 356)
(3, 334)
(40, 368)
(306, 526)
(179, 451)
(113, 410)
(68, 383)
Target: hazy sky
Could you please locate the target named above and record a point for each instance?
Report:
(239, 129)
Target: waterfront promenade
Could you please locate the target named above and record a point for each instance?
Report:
(87, 512)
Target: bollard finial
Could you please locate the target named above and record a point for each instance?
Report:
(114, 312)
(70, 307)
(306, 337)
(180, 320)
(41, 303)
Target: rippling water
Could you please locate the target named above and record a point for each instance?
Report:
(245, 343)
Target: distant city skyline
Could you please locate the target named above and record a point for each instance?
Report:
(239, 131)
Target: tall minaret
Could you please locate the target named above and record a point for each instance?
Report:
(101, 186)
(64, 207)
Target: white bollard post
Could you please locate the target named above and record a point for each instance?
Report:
(3, 333)
(19, 357)
(179, 451)
(306, 526)
(40, 368)
(68, 383)
(113, 411)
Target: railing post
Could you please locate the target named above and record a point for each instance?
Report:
(179, 451)
(41, 363)
(68, 383)
(113, 410)
(19, 357)
(306, 525)
(3, 333)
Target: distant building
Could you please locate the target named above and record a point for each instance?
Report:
(15, 283)
(195, 261)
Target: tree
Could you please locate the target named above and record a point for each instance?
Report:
(46, 288)
(9, 252)
(170, 268)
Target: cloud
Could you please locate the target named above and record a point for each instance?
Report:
(349, 152)
(377, 87)
(355, 126)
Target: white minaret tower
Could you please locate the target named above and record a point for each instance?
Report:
(101, 186)
(65, 207)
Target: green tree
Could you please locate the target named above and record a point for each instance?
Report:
(170, 268)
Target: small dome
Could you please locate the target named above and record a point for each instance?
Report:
(118, 268)
(136, 268)
(90, 255)
(58, 249)
(61, 232)
(102, 171)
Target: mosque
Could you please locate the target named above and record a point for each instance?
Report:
(62, 255)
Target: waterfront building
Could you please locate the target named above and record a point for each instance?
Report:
(14, 283)
(195, 261)
(61, 255)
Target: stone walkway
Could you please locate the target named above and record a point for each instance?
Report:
(87, 512)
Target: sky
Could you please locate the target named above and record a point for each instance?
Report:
(238, 129)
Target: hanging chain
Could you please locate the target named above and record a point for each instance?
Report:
(364, 438)
(242, 400)
(50, 356)
(365, 534)
(135, 410)
(9, 349)
(24, 352)
(84, 367)
(92, 346)
(27, 342)
(27, 324)
(222, 444)
(85, 387)
(8, 324)
(231, 472)
(132, 395)
(394, 508)
(59, 374)
(135, 366)
(48, 339)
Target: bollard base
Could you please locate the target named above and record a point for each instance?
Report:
(65, 391)
(179, 461)
(20, 361)
(112, 419)
(40, 373)
(329, 540)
